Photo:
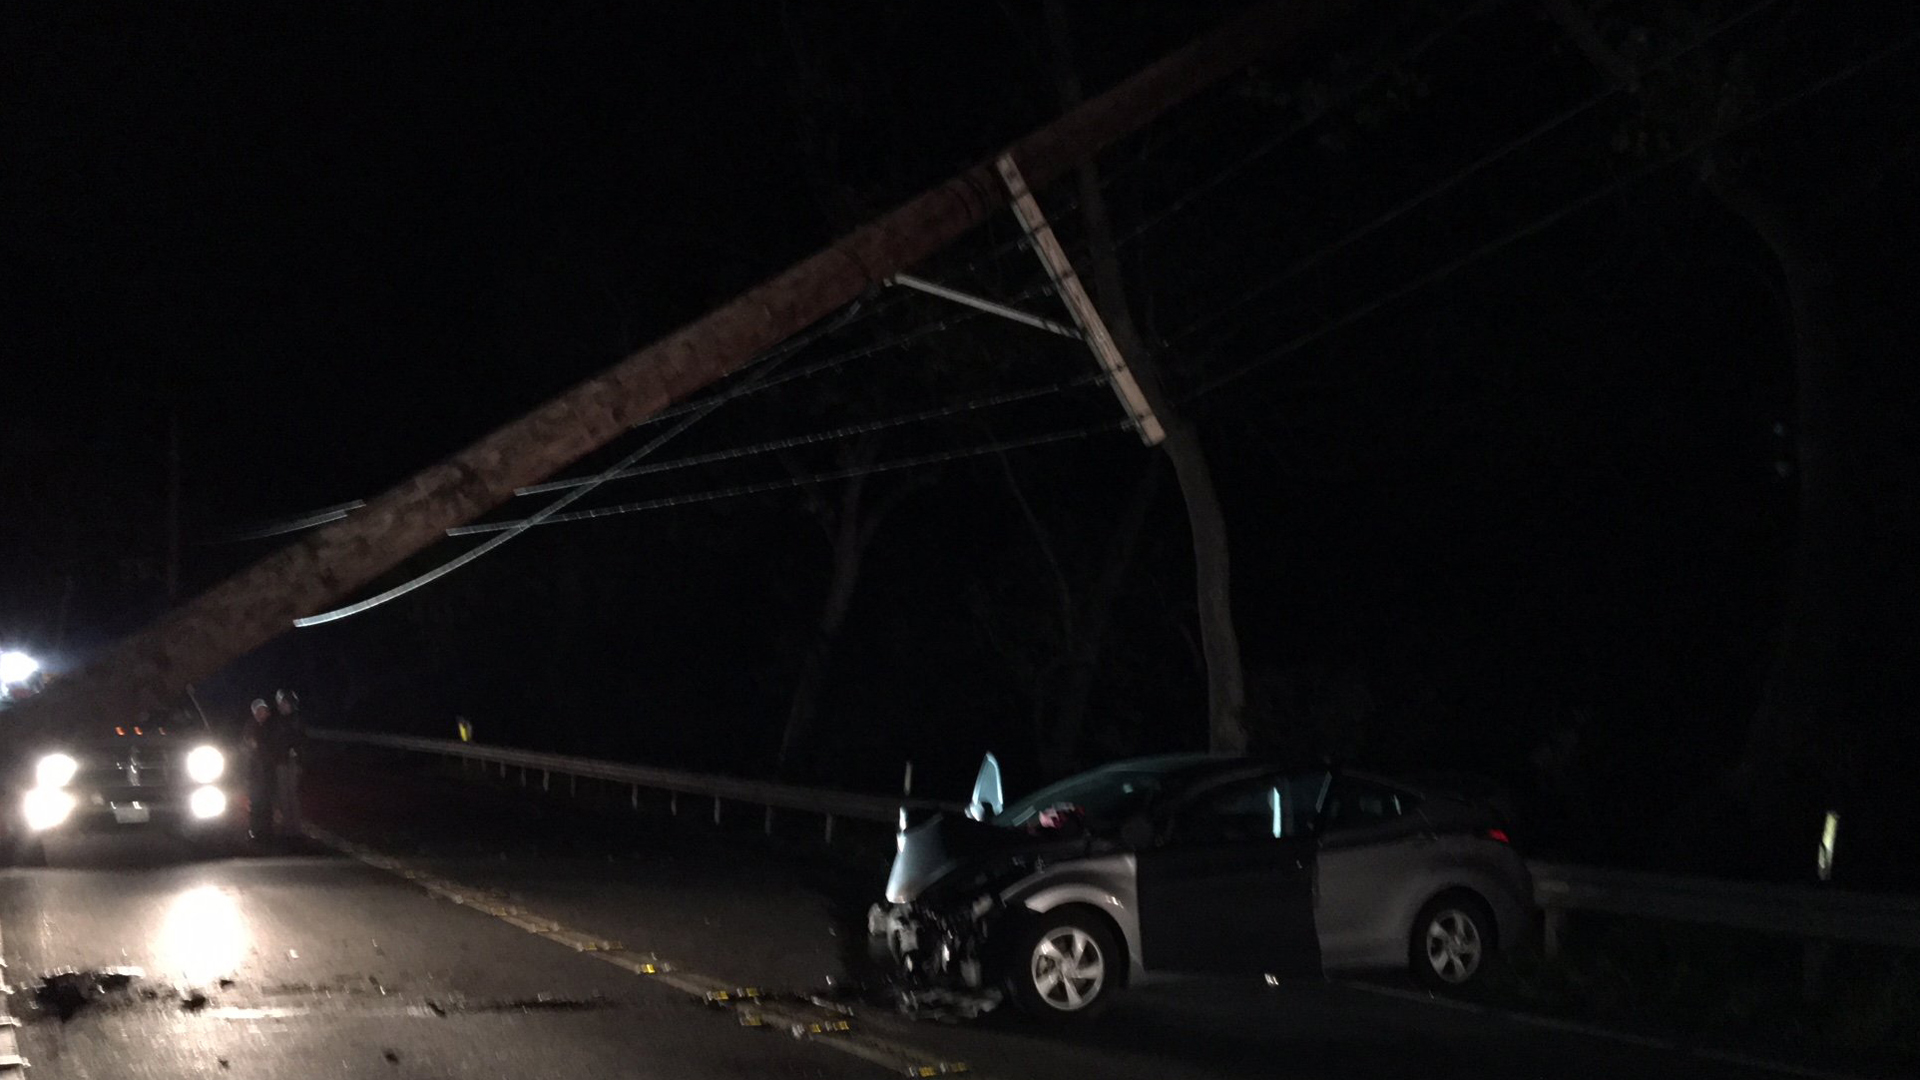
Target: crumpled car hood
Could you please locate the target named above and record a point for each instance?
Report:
(935, 849)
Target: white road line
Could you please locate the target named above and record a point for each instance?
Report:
(1596, 1031)
(887, 1053)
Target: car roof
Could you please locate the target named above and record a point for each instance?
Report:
(1195, 766)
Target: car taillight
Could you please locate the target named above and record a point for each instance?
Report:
(1499, 835)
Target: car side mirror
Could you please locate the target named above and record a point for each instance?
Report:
(1137, 833)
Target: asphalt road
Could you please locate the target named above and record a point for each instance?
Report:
(464, 933)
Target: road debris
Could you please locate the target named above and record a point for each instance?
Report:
(64, 993)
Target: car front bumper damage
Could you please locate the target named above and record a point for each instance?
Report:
(938, 957)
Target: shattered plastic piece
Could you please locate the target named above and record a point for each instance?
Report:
(935, 1003)
(822, 1001)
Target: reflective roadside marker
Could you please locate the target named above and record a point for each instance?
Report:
(1828, 833)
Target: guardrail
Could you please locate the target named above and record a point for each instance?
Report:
(1803, 911)
(1809, 912)
(770, 796)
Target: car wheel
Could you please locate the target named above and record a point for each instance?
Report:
(1453, 941)
(1063, 967)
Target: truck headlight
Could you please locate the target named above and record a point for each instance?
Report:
(54, 771)
(45, 808)
(205, 764)
(207, 802)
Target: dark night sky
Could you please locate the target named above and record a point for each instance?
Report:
(339, 242)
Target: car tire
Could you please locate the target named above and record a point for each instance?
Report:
(1063, 967)
(1453, 941)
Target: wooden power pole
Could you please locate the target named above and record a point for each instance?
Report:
(261, 602)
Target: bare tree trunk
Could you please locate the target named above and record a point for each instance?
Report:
(1804, 725)
(1226, 676)
(1083, 669)
(849, 552)
(855, 523)
(1809, 652)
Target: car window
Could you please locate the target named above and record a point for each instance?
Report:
(1262, 808)
(1105, 796)
(1358, 804)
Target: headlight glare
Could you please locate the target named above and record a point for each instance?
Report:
(54, 770)
(207, 802)
(205, 764)
(46, 807)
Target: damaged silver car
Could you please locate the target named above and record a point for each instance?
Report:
(1194, 864)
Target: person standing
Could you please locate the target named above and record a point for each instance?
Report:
(262, 770)
(293, 736)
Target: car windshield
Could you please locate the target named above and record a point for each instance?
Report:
(1105, 795)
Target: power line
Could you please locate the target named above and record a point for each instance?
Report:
(766, 368)
(278, 527)
(849, 431)
(1426, 195)
(457, 562)
(917, 461)
(326, 515)
(1539, 224)
(1186, 200)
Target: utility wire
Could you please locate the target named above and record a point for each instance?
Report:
(848, 431)
(1426, 195)
(1187, 199)
(1286, 135)
(706, 408)
(550, 511)
(324, 515)
(1539, 224)
(917, 461)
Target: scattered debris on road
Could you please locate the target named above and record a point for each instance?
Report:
(65, 992)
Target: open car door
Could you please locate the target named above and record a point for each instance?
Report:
(1228, 885)
(988, 796)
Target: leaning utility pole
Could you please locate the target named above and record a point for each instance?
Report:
(261, 602)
